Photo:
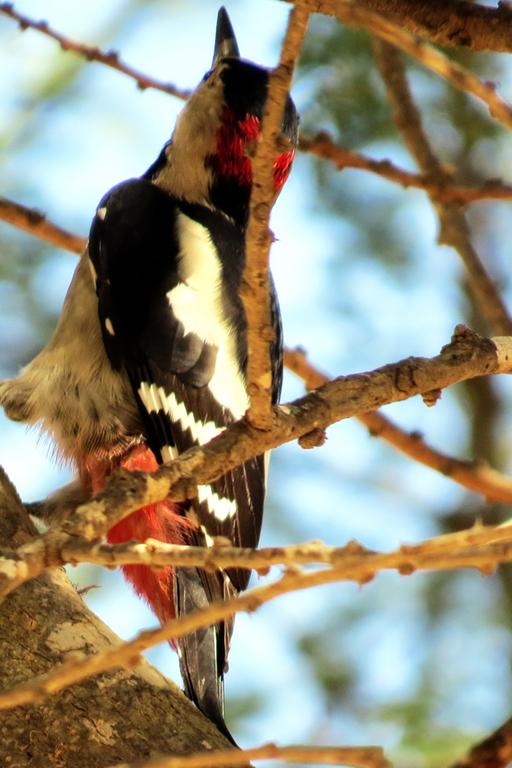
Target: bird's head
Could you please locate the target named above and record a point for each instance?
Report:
(209, 157)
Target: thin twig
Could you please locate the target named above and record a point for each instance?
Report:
(92, 53)
(322, 145)
(35, 223)
(255, 280)
(454, 227)
(358, 757)
(473, 475)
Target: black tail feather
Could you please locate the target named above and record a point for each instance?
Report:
(201, 653)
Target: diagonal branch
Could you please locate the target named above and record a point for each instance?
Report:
(353, 13)
(322, 145)
(35, 223)
(493, 752)
(467, 356)
(255, 280)
(92, 53)
(454, 227)
(355, 564)
(448, 22)
(473, 475)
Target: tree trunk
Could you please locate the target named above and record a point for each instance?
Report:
(119, 716)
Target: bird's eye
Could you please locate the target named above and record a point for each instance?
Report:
(207, 75)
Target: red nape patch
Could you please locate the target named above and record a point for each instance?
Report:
(282, 168)
(162, 521)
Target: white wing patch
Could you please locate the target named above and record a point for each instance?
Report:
(109, 326)
(156, 399)
(197, 303)
(220, 507)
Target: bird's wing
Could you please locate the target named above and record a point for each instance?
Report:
(171, 317)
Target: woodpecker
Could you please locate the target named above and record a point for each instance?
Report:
(150, 352)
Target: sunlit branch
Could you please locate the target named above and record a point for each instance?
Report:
(71, 549)
(255, 280)
(356, 757)
(357, 565)
(473, 475)
(448, 22)
(467, 356)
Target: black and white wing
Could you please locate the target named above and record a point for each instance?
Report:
(171, 318)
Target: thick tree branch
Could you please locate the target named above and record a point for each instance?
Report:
(358, 757)
(92, 53)
(465, 357)
(353, 13)
(454, 228)
(255, 280)
(473, 475)
(448, 22)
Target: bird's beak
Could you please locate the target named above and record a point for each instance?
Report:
(225, 40)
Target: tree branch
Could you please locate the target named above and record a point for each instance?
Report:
(353, 563)
(352, 13)
(473, 475)
(454, 228)
(465, 357)
(92, 53)
(255, 280)
(448, 22)
(71, 549)
(322, 145)
(359, 757)
(35, 223)
(493, 752)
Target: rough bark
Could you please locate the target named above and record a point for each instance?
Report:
(448, 22)
(122, 715)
